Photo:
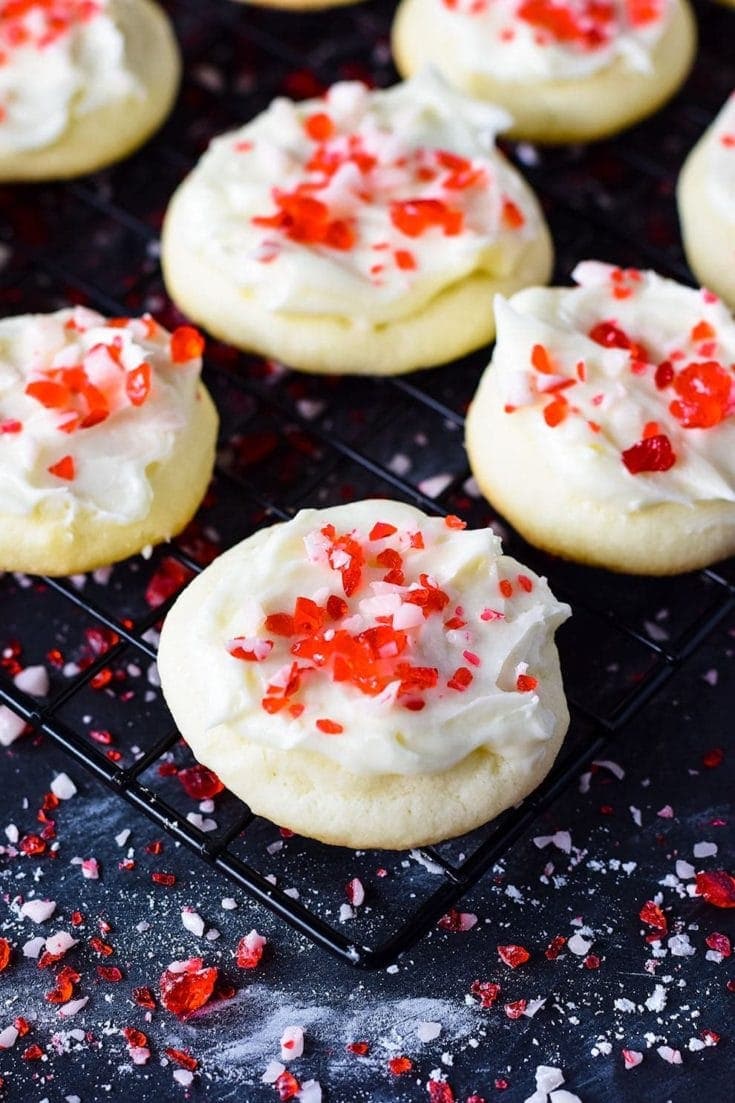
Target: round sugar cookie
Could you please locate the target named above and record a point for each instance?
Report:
(365, 232)
(603, 428)
(106, 438)
(566, 70)
(706, 196)
(82, 84)
(369, 676)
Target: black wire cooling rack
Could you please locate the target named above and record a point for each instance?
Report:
(289, 440)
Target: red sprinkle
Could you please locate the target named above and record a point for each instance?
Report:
(200, 783)
(461, 679)
(485, 991)
(110, 972)
(400, 1065)
(144, 998)
(168, 578)
(182, 1057)
(5, 952)
(287, 1085)
(64, 990)
(702, 331)
(664, 374)
(319, 126)
(555, 947)
(556, 411)
(653, 916)
(307, 220)
(63, 468)
(380, 530)
(719, 942)
(405, 260)
(717, 887)
(361, 1049)
(526, 683)
(134, 1037)
(652, 454)
(515, 1009)
(104, 949)
(513, 216)
(542, 361)
(413, 217)
(189, 990)
(440, 1092)
(138, 384)
(513, 955)
(704, 391)
(249, 952)
(187, 344)
(166, 879)
(329, 727)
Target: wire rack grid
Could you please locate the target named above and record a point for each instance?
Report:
(289, 441)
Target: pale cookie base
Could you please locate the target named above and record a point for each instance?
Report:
(508, 461)
(108, 134)
(44, 543)
(555, 111)
(456, 321)
(316, 797)
(709, 241)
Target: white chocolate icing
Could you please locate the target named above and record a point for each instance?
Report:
(610, 393)
(502, 642)
(721, 163)
(380, 149)
(494, 37)
(110, 460)
(60, 59)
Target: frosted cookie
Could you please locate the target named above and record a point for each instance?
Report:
(364, 232)
(566, 70)
(82, 83)
(106, 438)
(369, 676)
(603, 428)
(706, 194)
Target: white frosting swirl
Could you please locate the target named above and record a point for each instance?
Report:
(502, 643)
(59, 60)
(522, 40)
(721, 163)
(80, 368)
(248, 207)
(611, 398)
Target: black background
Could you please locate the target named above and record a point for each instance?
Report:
(290, 440)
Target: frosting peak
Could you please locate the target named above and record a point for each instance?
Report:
(542, 39)
(351, 625)
(362, 204)
(86, 405)
(57, 58)
(636, 371)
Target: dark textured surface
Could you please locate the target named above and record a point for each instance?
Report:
(287, 441)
